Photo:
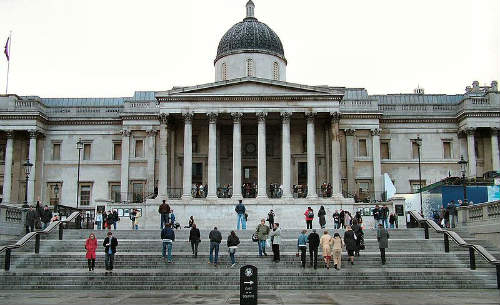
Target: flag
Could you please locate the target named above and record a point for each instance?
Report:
(6, 51)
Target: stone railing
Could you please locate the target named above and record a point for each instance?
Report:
(489, 211)
(11, 220)
(359, 105)
(83, 111)
(141, 106)
(418, 108)
(477, 103)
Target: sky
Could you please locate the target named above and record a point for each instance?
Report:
(111, 48)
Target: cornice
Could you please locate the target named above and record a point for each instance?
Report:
(418, 120)
(279, 98)
(489, 114)
(361, 116)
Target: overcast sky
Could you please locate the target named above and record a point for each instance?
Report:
(101, 48)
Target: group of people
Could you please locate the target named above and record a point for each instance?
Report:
(447, 217)
(107, 220)
(109, 243)
(341, 219)
(38, 217)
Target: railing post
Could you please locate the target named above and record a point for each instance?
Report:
(446, 243)
(61, 231)
(426, 230)
(7, 260)
(498, 276)
(472, 259)
(37, 243)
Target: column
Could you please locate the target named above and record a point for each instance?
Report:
(32, 157)
(377, 171)
(163, 165)
(237, 155)
(151, 137)
(212, 156)
(351, 182)
(7, 176)
(495, 162)
(336, 179)
(311, 157)
(188, 156)
(261, 155)
(471, 151)
(286, 157)
(125, 165)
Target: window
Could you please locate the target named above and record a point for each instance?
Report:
(362, 152)
(414, 150)
(56, 151)
(197, 173)
(250, 70)
(115, 192)
(276, 71)
(415, 185)
(117, 151)
(54, 192)
(195, 144)
(384, 151)
(138, 192)
(224, 71)
(447, 150)
(85, 193)
(139, 148)
(86, 151)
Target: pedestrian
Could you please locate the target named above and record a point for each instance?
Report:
(359, 234)
(132, 216)
(46, 217)
(194, 239)
(215, 239)
(309, 214)
(338, 244)
(314, 241)
(38, 215)
(137, 217)
(116, 218)
(453, 213)
(347, 219)
(98, 220)
(276, 241)
(384, 215)
(326, 243)
(240, 212)
(110, 220)
(91, 247)
(336, 220)
(392, 219)
(190, 222)
(30, 220)
(262, 233)
(164, 210)
(110, 243)
(350, 243)
(167, 237)
(446, 218)
(376, 215)
(270, 218)
(383, 241)
(321, 216)
(358, 217)
(302, 247)
(172, 220)
(342, 218)
(232, 244)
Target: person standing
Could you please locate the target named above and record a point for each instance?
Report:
(240, 211)
(321, 216)
(376, 215)
(392, 220)
(358, 232)
(215, 240)
(384, 214)
(270, 218)
(116, 218)
(172, 220)
(347, 219)
(453, 213)
(342, 218)
(302, 247)
(358, 218)
(314, 241)
(194, 238)
(383, 241)
(110, 243)
(276, 241)
(132, 216)
(167, 237)
(350, 243)
(262, 233)
(30, 220)
(309, 214)
(232, 244)
(91, 247)
(336, 220)
(98, 220)
(338, 244)
(326, 243)
(46, 217)
(164, 210)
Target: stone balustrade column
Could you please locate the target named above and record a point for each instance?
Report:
(237, 155)
(495, 161)
(311, 157)
(261, 155)
(286, 158)
(32, 157)
(188, 156)
(336, 178)
(7, 175)
(163, 165)
(124, 183)
(471, 151)
(377, 170)
(351, 181)
(151, 154)
(212, 156)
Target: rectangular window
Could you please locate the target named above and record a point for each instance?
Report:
(414, 150)
(56, 151)
(362, 152)
(138, 192)
(447, 150)
(85, 192)
(139, 148)
(115, 192)
(86, 151)
(117, 151)
(415, 185)
(384, 151)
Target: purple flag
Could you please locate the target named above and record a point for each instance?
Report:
(6, 51)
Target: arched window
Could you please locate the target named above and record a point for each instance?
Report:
(224, 71)
(276, 71)
(250, 69)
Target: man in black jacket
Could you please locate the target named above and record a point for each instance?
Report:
(110, 243)
(168, 237)
(313, 240)
(240, 211)
(46, 217)
(215, 240)
(30, 220)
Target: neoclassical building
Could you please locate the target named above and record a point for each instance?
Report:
(249, 127)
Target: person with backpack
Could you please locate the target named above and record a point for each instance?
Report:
(321, 216)
(309, 214)
(215, 239)
(167, 237)
(240, 211)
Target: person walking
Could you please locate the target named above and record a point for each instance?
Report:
(347, 219)
(167, 237)
(326, 243)
(314, 242)
(270, 218)
(342, 218)
(276, 241)
(262, 233)
(232, 244)
(383, 241)
(116, 218)
(376, 215)
(309, 214)
(164, 210)
(336, 220)
(453, 214)
(110, 243)
(98, 220)
(194, 239)
(91, 247)
(392, 220)
(30, 220)
(321, 216)
(338, 244)
(215, 239)
(302, 247)
(384, 215)
(358, 232)
(46, 217)
(240, 212)
(350, 243)
(136, 221)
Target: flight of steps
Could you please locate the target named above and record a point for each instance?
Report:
(412, 263)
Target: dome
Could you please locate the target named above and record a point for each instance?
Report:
(250, 36)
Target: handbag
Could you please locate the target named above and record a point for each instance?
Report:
(255, 237)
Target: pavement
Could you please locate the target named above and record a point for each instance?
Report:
(347, 297)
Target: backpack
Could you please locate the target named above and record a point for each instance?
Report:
(310, 214)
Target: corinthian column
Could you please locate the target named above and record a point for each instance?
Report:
(237, 155)
(495, 162)
(7, 177)
(471, 151)
(377, 171)
(286, 158)
(311, 157)
(188, 156)
(124, 165)
(163, 150)
(261, 155)
(212, 156)
(351, 183)
(151, 133)
(32, 157)
(334, 130)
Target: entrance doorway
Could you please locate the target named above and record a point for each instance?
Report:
(302, 173)
(249, 180)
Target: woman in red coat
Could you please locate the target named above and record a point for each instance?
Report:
(309, 214)
(91, 247)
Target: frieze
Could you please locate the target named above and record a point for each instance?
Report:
(247, 98)
(417, 120)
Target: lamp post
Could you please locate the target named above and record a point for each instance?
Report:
(79, 146)
(418, 142)
(27, 169)
(463, 167)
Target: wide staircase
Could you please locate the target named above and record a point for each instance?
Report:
(412, 263)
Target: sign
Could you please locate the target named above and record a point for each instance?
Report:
(399, 209)
(248, 285)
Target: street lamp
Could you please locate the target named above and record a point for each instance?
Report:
(418, 142)
(79, 146)
(27, 169)
(463, 167)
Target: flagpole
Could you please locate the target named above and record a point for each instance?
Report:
(8, 64)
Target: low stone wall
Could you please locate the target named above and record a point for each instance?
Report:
(482, 220)
(11, 221)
